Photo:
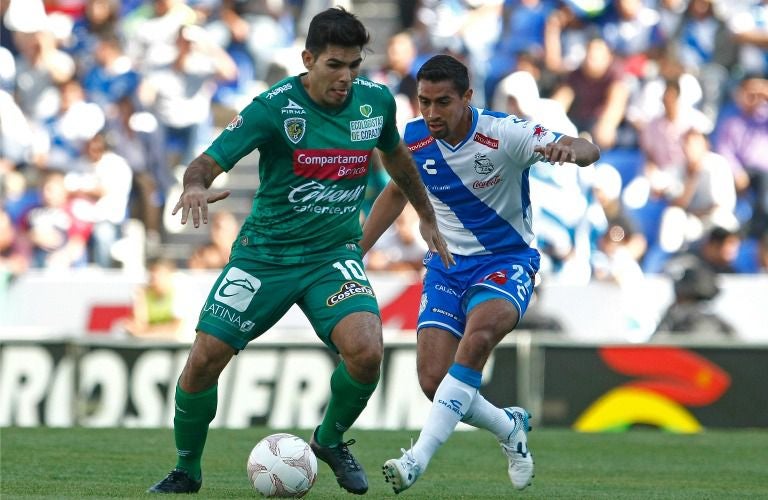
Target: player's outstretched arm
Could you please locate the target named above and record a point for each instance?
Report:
(570, 150)
(386, 208)
(400, 166)
(195, 198)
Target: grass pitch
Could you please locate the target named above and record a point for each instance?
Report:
(641, 464)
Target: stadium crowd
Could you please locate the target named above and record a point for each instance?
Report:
(103, 100)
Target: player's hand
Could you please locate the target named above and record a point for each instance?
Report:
(435, 242)
(194, 200)
(556, 152)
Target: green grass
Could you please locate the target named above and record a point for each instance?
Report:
(642, 464)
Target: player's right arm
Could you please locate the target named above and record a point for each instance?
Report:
(195, 198)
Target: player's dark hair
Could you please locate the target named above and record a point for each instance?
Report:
(335, 26)
(444, 67)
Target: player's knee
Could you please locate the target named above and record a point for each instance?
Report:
(429, 383)
(479, 343)
(366, 359)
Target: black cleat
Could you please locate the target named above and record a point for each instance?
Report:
(349, 473)
(177, 481)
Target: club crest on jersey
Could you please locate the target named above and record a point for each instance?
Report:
(366, 110)
(483, 165)
(235, 123)
(295, 128)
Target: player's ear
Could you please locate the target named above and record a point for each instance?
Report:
(308, 59)
(468, 97)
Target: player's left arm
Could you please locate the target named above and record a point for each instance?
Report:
(401, 168)
(569, 150)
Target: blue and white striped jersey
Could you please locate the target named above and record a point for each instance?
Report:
(480, 187)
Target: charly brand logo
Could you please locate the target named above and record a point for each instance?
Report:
(366, 110)
(237, 289)
(295, 128)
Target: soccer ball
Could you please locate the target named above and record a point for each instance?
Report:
(282, 466)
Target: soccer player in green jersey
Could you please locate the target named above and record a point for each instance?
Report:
(315, 133)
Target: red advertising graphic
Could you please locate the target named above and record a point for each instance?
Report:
(669, 379)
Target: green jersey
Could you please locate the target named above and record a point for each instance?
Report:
(313, 165)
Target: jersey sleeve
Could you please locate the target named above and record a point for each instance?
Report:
(390, 137)
(521, 137)
(247, 131)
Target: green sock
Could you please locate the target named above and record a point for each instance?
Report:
(194, 412)
(348, 400)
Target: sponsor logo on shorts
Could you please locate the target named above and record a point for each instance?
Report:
(237, 289)
(442, 288)
(226, 314)
(349, 289)
(365, 130)
(498, 277)
(437, 310)
(332, 164)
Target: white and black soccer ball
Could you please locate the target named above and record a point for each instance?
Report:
(282, 466)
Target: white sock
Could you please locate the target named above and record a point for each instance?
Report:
(451, 400)
(483, 415)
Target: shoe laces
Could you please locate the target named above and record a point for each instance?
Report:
(346, 456)
(410, 459)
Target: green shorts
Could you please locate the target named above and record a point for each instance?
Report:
(251, 295)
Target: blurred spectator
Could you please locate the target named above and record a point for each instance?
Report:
(134, 136)
(151, 31)
(596, 95)
(691, 311)
(214, 254)
(661, 143)
(401, 247)
(180, 93)
(614, 259)
(111, 76)
(256, 28)
(156, 311)
(704, 46)
(716, 251)
(40, 67)
(743, 140)
(100, 183)
(58, 238)
(701, 198)
(631, 30)
(567, 32)
(100, 20)
(15, 134)
(76, 121)
(397, 74)
(750, 31)
(15, 252)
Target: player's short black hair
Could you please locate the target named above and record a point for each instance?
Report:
(335, 26)
(443, 67)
